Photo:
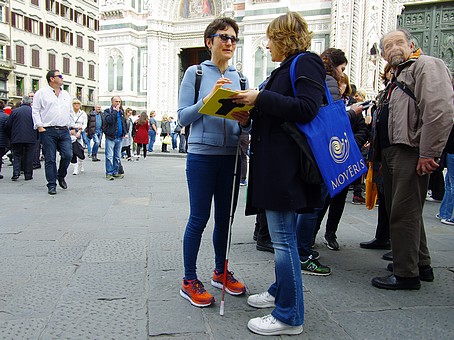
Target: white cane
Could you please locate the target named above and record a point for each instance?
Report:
(229, 235)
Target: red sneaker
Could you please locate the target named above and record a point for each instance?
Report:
(233, 286)
(195, 293)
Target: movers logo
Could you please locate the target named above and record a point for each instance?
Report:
(339, 150)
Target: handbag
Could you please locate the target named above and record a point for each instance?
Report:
(371, 188)
(78, 152)
(167, 140)
(332, 142)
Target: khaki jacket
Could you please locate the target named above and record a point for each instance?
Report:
(426, 122)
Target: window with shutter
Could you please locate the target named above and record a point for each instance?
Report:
(52, 59)
(66, 65)
(35, 58)
(80, 69)
(20, 55)
(91, 72)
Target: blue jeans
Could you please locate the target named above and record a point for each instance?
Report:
(151, 139)
(113, 154)
(305, 228)
(96, 141)
(447, 204)
(208, 176)
(86, 142)
(288, 287)
(54, 140)
(174, 140)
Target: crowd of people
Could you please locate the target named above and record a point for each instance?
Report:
(406, 136)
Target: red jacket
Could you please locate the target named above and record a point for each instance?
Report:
(142, 133)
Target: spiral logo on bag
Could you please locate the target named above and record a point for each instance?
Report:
(339, 148)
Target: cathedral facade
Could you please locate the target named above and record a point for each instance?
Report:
(145, 45)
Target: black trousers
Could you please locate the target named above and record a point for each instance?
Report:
(261, 228)
(437, 184)
(336, 209)
(382, 231)
(23, 159)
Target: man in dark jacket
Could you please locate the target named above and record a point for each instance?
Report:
(114, 129)
(4, 141)
(23, 136)
(93, 118)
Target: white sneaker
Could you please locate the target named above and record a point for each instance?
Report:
(76, 169)
(448, 221)
(268, 325)
(262, 300)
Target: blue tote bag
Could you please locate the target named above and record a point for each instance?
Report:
(331, 140)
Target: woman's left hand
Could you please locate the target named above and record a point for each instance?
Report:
(247, 97)
(242, 117)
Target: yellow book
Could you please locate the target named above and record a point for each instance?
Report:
(220, 104)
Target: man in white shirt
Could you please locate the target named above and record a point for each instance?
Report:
(53, 117)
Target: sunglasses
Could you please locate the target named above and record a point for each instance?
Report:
(225, 38)
(59, 76)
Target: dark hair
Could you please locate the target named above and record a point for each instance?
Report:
(385, 72)
(218, 24)
(332, 58)
(51, 74)
(2, 104)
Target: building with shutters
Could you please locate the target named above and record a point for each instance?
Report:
(39, 35)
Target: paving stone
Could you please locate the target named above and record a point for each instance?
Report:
(75, 239)
(39, 235)
(53, 272)
(64, 255)
(174, 317)
(97, 319)
(107, 281)
(33, 300)
(26, 248)
(18, 266)
(115, 250)
(22, 328)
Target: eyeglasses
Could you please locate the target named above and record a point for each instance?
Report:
(59, 76)
(225, 38)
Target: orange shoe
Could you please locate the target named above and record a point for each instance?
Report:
(233, 286)
(195, 293)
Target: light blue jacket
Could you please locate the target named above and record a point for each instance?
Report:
(208, 135)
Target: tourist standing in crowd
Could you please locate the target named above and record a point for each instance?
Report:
(174, 132)
(212, 150)
(23, 137)
(114, 130)
(95, 134)
(52, 117)
(165, 131)
(152, 131)
(275, 185)
(413, 126)
(4, 140)
(141, 128)
(335, 62)
(127, 138)
(447, 204)
(80, 123)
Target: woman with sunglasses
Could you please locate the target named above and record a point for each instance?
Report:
(275, 184)
(212, 147)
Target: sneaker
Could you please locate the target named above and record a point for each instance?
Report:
(312, 267)
(262, 300)
(449, 221)
(233, 286)
(110, 177)
(438, 216)
(195, 293)
(431, 199)
(243, 183)
(269, 325)
(331, 242)
(315, 255)
(118, 176)
(358, 200)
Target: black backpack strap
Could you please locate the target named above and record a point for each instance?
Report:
(404, 88)
(242, 81)
(198, 80)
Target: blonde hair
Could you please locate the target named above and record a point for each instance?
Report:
(76, 101)
(165, 117)
(362, 93)
(290, 33)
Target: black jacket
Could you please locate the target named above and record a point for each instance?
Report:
(4, 140)
(110, 124)
(19, 126)
(91, 125)
(274, 180)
